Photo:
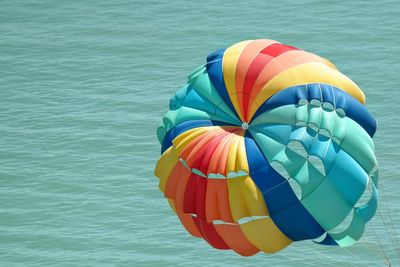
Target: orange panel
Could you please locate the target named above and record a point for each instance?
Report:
(234, 237)
(174, 179)
(217, 201)
(279, 64)
(180, 192)
(188, 223)
(246, 57)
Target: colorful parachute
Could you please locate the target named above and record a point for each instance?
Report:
(269, 144)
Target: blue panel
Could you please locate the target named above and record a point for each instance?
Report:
(324, 93)
(349, 179)
(297, 223)
(196, 101)
(285, 209)
(284, 97)
(314, 91)
(328, 241)
(183, 127)
(366, 212)
(340, 100)
(214, 69)
(328, 94)
(177, 99)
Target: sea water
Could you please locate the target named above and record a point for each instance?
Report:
(84, 85)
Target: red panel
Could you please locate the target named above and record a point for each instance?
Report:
(259, 62)
(189, 202)
(210, 234)
(254, 70)
(191, 155)
(194, 201)
(198, 158)
(201, 189)
(275, 50)
(212, 210)
(212, 146)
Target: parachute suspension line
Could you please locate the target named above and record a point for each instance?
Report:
(291, 258)
(387, 261)
(390, 230)
(314, 250)
(355, 256)
(380, 255)
(392, 234)
(286, 181)
(318, 115)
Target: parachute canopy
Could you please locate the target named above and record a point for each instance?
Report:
(268, 144)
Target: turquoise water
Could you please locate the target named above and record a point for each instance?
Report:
(83, 86)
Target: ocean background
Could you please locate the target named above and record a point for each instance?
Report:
(84, 85)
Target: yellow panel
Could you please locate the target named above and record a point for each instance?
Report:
(236, 201)
(330, 64)
(231, 161)
(229, 61)
(171, 204)
(304, 74)
(181, 141)
(241, 159)
(245, 200)
(280, 64)
(165, 165)
(264, 234)
(254, 200)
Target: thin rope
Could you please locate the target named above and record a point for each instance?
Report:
(380, 255)
(354, 255)
(325, 255)
(393, 229)
(286, 181)
(391, 234)
(387, 261)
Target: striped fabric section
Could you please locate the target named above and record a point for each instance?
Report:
(268, 144)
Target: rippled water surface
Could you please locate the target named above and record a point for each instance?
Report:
(83, 87)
